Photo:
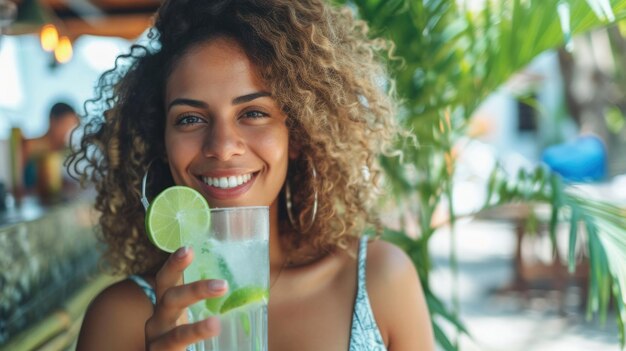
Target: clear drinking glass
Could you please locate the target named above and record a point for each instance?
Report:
(236, 249)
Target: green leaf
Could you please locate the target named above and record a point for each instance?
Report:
(398, 238)
(442, 338)
(621, 313)
(599, 274)
(452, 60)
(437, 308)
(554, 219)
(573, 231)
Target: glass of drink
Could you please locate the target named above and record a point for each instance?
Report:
(235, 248)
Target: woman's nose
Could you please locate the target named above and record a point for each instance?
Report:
(223, 141)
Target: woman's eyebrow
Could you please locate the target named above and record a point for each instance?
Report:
(188, 102)
(201, 104)
(249, 97)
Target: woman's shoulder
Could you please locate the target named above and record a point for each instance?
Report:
(121, 293)
(115, 318)
(387, 263)
(389, 271)
(397, 298)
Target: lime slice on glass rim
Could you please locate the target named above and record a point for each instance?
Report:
(244, 296)
(176, 215)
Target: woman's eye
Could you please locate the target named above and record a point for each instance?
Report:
(187, 120)
(254, 114)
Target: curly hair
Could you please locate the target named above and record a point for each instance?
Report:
(323, 70)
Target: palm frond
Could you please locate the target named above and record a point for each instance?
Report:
(452, 59)
(602, 223)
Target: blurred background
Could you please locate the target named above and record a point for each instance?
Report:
(511, 199)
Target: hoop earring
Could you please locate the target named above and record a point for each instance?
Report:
(144, 198)
(289, 205)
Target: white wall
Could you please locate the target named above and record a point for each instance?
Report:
(29, 84)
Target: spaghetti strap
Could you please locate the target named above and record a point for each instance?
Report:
(364, 334)
(143, 284)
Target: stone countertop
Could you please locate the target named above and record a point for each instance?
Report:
(29, 210)
(32, 208)
(46, 253)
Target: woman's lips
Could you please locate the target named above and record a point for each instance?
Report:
(228, 193)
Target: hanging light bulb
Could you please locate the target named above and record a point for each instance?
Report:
(49, 37)
(63, 52)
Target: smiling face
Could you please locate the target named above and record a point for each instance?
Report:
(224, 136)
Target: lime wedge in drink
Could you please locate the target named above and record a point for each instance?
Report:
(213, 304)
(175, 216)
(244, 296)
(216, 267)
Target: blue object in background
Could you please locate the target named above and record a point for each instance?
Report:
(581, 160)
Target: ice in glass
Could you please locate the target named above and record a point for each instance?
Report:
(234, 248)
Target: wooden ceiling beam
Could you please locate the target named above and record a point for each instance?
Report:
(105, 4)
(118, 18)
(104, 7)
(124, 26)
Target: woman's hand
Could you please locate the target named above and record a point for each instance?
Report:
(163, 331)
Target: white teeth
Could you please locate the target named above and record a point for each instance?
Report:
(223, 182)
(227, 182)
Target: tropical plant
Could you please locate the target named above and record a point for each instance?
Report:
(449, 59)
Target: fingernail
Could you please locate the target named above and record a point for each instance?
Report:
(217, 285)
(182, 252)
(212, 324)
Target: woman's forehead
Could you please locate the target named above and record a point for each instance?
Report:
(219, 64)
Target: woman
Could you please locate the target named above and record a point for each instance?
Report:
(289, 94)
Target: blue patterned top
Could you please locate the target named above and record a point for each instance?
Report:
(143, 284)
(364, 333)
